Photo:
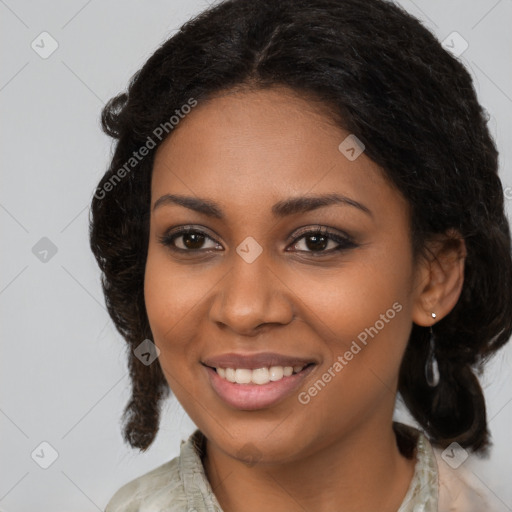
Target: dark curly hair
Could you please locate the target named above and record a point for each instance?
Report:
(383, 77)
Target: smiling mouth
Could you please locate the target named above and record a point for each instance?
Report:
(259, 376)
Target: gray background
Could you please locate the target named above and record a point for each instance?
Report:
(63, 373)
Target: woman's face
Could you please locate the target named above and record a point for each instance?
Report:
(255, 289)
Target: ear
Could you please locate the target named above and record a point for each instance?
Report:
(439, 278)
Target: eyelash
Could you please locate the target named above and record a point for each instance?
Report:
(344, 242)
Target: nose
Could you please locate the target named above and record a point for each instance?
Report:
(251, 296)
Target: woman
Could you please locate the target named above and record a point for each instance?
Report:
(302, 218)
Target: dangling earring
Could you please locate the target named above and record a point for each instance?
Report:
(431, 367)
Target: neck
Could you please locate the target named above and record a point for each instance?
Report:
(363, 471)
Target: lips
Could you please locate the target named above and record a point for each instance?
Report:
(247, 395)
(254, 361)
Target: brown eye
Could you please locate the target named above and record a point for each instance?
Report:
(191, 240)
(316, 242)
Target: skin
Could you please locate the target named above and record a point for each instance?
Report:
(246, 150)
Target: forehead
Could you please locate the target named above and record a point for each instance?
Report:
(248, 147)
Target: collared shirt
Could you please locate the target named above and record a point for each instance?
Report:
(181, 485)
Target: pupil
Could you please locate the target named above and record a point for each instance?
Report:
(195, 239)
(319, 242)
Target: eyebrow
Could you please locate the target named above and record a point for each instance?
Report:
(290, 206)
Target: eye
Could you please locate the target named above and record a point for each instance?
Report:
(192, 240)
(317, 240)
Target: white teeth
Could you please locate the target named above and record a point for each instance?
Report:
(276, 373)
(243, 376)
(259, 375)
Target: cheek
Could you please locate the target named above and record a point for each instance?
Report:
(170, 300)
(362, 312)
(170, 295)
(367, 317)
(352, 297)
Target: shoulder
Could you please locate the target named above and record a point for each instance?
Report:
(445, 480)
(174, 486)
(153, 489)
(459, 489)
